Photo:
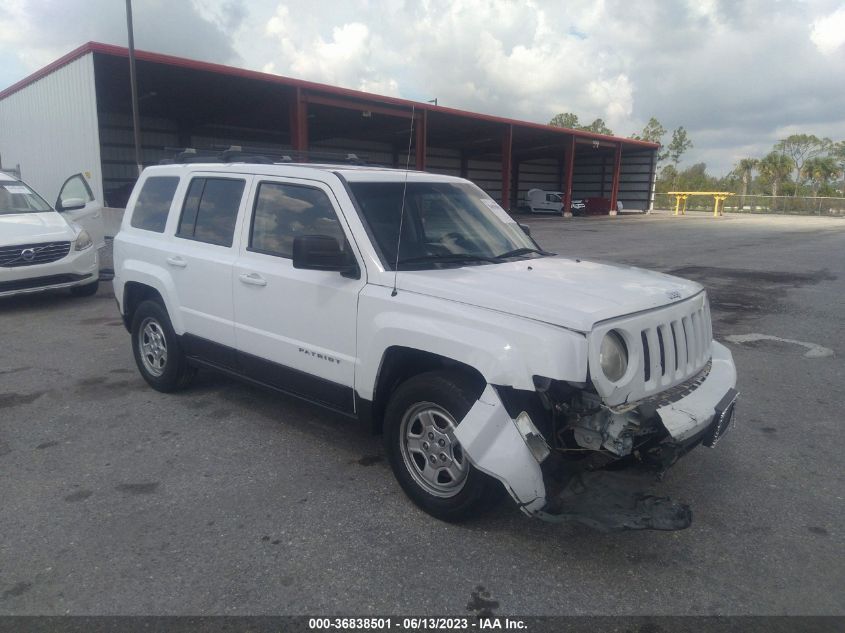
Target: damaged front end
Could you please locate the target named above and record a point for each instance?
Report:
(564, 454)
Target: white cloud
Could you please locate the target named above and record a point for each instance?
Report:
(828, 33)
(734, 73)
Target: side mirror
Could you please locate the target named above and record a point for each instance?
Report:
(525, 229)
(70, 204)
(321, 252)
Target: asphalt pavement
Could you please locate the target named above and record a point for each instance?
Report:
(227, 499)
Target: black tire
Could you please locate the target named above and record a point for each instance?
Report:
(87, 290)
(454, 393)
(175, 372)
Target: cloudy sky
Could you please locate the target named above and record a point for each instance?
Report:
(737, 74)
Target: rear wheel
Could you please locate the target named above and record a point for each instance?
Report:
(428, 461)
(156, 348)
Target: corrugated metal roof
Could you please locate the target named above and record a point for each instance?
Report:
(170, 60)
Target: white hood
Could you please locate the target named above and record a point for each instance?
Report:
(32, 228)
(566, 292)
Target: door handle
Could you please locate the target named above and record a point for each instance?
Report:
(176, 261)
(253, 279)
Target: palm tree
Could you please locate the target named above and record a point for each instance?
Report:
(745, 169)
(819, 170)
(775, 168)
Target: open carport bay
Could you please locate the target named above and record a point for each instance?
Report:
(226, 499)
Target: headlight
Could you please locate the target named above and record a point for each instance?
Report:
(83, 240)
(613, 356)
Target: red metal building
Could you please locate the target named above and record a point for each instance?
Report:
(186, 103)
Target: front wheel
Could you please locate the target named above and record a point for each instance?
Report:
(427, 460)
(156, 348)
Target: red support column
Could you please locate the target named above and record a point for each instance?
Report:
(298, 122)
(568, 164)
(421, 139)
(617, 170)
(507, 147)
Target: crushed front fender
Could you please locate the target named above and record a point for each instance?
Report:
(493, 445)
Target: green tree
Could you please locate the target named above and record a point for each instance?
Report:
(745, 170)
(679, 145)
(838, 153)
(775, 168)
(570, 120)
(695, 178)
(567, 120)
(598, 127)
(800, 148)
(666, 179)
(820, 170)
(653, 132)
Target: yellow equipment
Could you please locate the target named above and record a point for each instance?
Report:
(719, 198)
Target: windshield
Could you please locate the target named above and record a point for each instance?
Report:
(444, 224)
(16, 197)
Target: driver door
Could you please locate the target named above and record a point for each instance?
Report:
(89, 216)
(295, 329)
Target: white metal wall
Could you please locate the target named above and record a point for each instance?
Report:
(50, 129)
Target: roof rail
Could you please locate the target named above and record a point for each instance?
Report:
(240, 154)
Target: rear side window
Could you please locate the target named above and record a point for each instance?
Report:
(153, 203)
(283, 212)
(211, 210)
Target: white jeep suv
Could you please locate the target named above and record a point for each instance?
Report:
(414, 303)
(44, 249)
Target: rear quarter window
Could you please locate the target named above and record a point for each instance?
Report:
(211, 210)
(153, 204)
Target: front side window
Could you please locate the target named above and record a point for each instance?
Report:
(16, 197)
(153, 204)
(211, 210)
(444, 223)
(284, 212)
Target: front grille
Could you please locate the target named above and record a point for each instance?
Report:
(40, 282)
(676, 348)
(32, 254)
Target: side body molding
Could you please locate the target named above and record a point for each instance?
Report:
(493, 444)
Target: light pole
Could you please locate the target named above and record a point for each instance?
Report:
(133, 80)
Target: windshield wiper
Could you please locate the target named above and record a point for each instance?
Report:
(524, 251)
(454, 257)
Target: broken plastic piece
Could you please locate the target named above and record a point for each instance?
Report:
(493, 444)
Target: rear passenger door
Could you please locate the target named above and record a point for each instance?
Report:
(204, 249)
(295, 329)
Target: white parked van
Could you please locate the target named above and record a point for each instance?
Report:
(539, 201)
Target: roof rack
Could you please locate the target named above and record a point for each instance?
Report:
(240, 154)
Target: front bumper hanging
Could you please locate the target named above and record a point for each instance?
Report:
(494, 443)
